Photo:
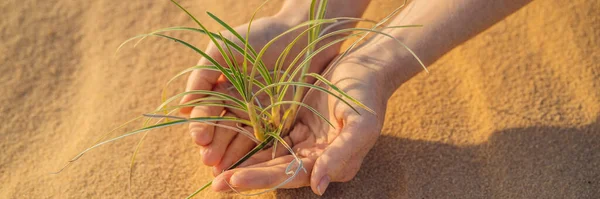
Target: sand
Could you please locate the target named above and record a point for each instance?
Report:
(512, 113)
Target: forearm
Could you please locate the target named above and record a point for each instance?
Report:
(446, 24)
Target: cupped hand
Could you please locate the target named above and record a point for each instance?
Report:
(328, 154)
(216, 141)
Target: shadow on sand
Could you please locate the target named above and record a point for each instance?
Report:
(532, 162)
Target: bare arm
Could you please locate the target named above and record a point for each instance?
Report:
(446, 24)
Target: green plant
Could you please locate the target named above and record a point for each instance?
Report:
(269, 121)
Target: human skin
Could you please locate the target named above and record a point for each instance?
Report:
(214, 141)
(378, 68)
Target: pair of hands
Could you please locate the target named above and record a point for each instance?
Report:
(369, 74)
(328, 154)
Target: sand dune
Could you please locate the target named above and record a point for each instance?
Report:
(512, 113)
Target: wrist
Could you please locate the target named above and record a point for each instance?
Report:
(391, 63)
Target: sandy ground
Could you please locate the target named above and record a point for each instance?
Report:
(513, 113)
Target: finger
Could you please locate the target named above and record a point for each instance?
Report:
(342, 158)
(202, 133)
(201, 79)
(240, 145)
(243, 179)
(213, 153)
(273, 162)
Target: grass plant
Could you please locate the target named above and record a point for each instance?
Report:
(252, 78)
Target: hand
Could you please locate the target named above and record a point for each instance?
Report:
(216, 141)
(328, 154)
(336, 154)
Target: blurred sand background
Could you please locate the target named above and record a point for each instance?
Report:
(512, 113)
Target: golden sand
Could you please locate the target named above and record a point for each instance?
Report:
(512, 113)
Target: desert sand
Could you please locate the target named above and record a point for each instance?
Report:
(512, 113)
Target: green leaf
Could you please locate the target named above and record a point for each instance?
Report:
(320, 15)
(205, 104)
(383, 21)
(255, 150)
(210, 59)
(237, 85)
(204, 92)
(262, 69)
(215, 35)
(302, 84)
(332, 86)
(236, 34)
(299, 104)
(282, 57)
(268, 44)
(308, 23)
(225, 56)
(137, 149)
(164, 90)
(199, 190)
(294, 73)
(166, 124)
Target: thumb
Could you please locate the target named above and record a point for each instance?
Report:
(341, 160)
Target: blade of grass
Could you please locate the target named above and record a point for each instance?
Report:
(288, 169)
(236, 69)
(166, 124)
(136, 150)
(164, 90)
(238, 130)
(282, 57)
(268, 44)
(199, 190)
(181, 28)
(300, 104)
(296, 70)
(255, 150)
(320, 15)
(222, 52)
(262, 69)
(204, 92)
(301, 84)
(210, 59)
(311, 37)
(102, 137)
(236, 34)
(332, 86)
(384, 20)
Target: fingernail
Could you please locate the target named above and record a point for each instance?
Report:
(219, 186)
(194, 134)
(234, 180)
(323, 185)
